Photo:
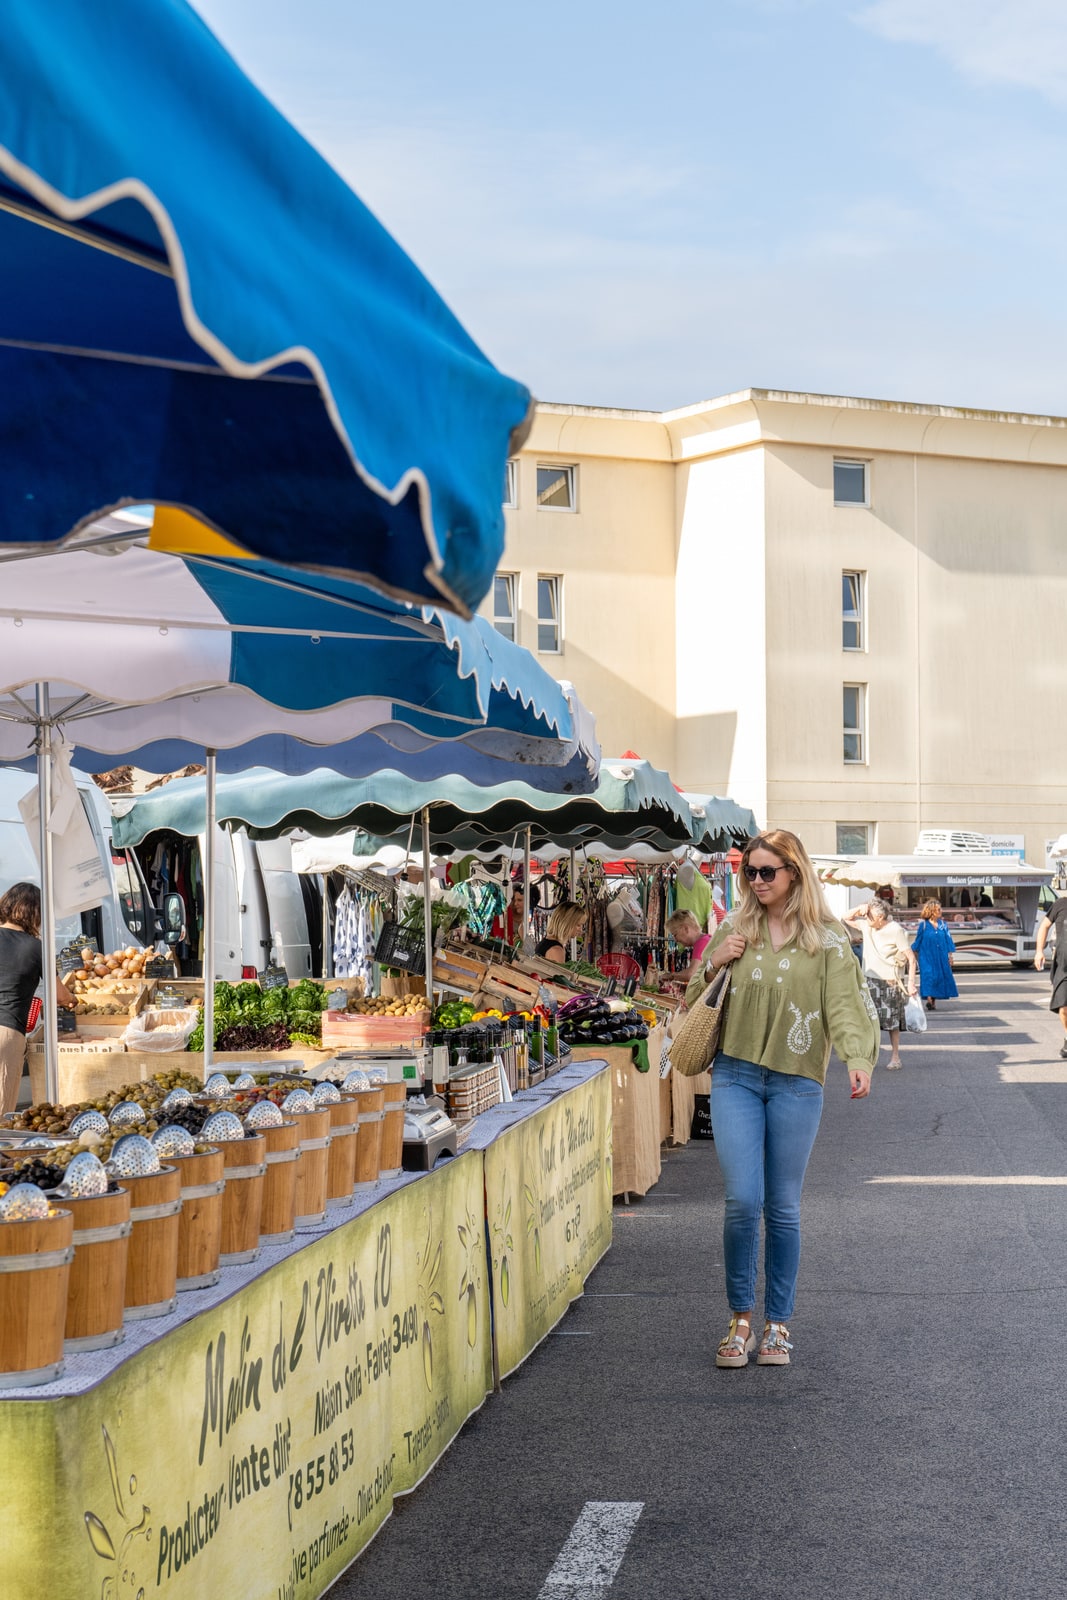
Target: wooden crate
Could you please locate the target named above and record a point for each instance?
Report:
(347, 1030)
(454, 970)
(99, 1026)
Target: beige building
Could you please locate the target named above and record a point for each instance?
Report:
(844, 613)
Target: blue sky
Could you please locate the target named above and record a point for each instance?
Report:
(642, 206)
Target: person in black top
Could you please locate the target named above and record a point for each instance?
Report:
(1054, 918)
(567, 922)
(20, 973)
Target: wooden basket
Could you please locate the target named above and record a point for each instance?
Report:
(35, 1262)
(277, 1223)
(392, 1151)
(242, 1202)
(312, 1170)
(96, 1291)
(341, 1168)
(152, 1265)
(200, 1220)
(369, 1139)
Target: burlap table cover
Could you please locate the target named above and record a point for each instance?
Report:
(635, 1114)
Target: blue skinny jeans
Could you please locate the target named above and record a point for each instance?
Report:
(764, 1124)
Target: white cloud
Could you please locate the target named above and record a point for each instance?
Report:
(1022, 43)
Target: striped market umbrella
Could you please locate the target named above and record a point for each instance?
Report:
(197, 312)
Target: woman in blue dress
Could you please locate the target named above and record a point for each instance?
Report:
(934, 947)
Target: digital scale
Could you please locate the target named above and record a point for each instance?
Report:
(397, 1066)
(429, 1135)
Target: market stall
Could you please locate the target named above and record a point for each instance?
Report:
(285, 1406)
(991, 904)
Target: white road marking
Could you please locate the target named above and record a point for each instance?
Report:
(964, 1180)
(586, 1566)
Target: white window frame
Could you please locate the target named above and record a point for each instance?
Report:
(860, 616)
(568, 470)
(860, 731)
(511, 483)
(512, 581)
(555, 578)
(869, 829)
(854, 461)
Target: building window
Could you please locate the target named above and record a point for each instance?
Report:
(511, 483)
(506, 603)
(853, 595)
(855, 838)
(850, 483)
(854, 707)
(555, 489)
(550, 616)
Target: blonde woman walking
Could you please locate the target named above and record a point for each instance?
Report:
(795, 990)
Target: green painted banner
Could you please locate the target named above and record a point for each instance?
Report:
(257, 1449)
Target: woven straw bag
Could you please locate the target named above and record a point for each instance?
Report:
(696, 1044)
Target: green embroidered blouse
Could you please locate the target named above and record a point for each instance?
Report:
(787, 1008)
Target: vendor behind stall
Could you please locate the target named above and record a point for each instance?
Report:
(567, 922)
(20, 973)
(686, 930)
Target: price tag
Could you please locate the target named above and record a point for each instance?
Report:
(159, 967)
(274, 977)
(66, 1021)
(70, 959)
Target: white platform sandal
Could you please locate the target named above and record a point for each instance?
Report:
(775, 1346)
(740, 1340)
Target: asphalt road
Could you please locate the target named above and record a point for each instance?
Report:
(916, 1445)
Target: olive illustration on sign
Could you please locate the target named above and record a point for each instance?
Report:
(427, 1355)
(472, 1316)
(429, 1298)
(502, 1243)
(537, 1249)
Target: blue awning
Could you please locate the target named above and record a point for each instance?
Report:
(197, 312)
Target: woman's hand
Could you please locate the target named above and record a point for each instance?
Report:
(731, 948)
(861, 1084)
(1039, 961)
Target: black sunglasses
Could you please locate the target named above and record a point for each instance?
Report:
(766, 873)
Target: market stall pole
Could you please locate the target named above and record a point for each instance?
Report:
(427, 904)
(210, 808)
(48, 915)
(526, 888)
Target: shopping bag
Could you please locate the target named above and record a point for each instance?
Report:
(915, 1015)
(695, 1045)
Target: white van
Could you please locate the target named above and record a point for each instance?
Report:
(264, 911)
(125, 916)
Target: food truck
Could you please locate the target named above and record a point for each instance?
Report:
(991, 904)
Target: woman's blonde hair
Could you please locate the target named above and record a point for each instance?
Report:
(931, 911)
(678, 921)
(806, 914)
(566, 922)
